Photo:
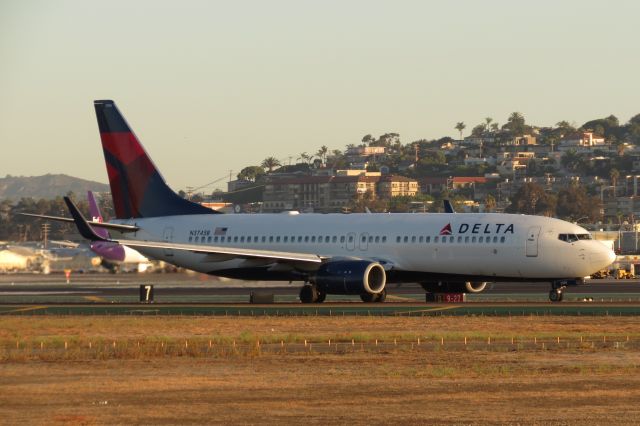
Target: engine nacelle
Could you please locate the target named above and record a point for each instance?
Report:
(474, 286)
(351, 277)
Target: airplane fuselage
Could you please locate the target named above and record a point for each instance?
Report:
(412, 247)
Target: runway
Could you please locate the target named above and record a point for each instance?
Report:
(195, 294)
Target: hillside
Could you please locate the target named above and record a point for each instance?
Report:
(48, 186)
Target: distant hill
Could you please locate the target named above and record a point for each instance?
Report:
(48, 186)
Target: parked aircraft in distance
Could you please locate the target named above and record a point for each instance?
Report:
(332, 253)
(114, 256)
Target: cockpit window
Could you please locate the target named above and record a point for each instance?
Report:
(572, 238)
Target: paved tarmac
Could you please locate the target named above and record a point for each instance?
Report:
(189, 292)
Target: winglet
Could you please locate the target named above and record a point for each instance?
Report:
(448, 208)
(81, 223)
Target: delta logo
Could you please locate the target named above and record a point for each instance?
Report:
(479, 228)
(446, 230)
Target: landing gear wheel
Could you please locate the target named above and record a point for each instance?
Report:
(381, 296)
(556, 295)
(368, 297)
(321, 296)
(308, 294)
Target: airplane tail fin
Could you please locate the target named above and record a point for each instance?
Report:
(137, 187)
(96, 216)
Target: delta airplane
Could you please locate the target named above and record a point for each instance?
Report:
(332, 253)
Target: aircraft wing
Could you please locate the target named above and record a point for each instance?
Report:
(85, 229)
(110, 226)
(232, 252)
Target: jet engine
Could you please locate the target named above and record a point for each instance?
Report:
(351, 277)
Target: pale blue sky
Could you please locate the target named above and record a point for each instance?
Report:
(210, 86)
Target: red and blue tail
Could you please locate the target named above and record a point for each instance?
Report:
(137, 188)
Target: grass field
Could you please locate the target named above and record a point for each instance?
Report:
(569, 380)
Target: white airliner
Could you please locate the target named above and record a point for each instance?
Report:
(333, 253)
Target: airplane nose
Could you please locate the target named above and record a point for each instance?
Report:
(602, 257)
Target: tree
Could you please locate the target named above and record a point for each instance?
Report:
(614, 174)
(306, 158)
(270, 163)
(322, 154)
(251, 173)
(532, 199)
(460, 126)
(516, 124)
(489, 203)
(574, 203)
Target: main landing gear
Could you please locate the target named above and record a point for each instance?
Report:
(310, 293)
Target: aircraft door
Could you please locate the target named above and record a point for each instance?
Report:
(167, 236)
(351, 241)
(532, 241)
(364, 244)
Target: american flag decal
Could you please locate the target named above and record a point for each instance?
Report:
(220, 231)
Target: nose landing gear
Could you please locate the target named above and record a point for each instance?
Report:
(555, 295)
(557, 286)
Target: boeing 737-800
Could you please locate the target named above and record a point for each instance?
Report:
(332, 253)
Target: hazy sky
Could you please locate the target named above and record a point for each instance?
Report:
(217, 85)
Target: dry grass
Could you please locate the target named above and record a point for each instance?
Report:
(557, 386)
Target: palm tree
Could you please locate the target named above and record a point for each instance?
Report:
(270, 163)
(460, 126)
(614, 174)
(488, 121)
(322, 153)
(305, 157)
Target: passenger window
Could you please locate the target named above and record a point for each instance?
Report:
(264, 239)
(270, 238)
(215, 239)
(286, 239)
(406, 239)
(327, 239)
(384, 239)
(278, 239)
(428, 239)
(480, 239)
(466, 239)
(398, 238)
(459, 240)
(235, 239)
(495, 240)
(435, 239)
(350, 238)
(370, 238)
(502, 239)
(190, 239)
(413, 239)
(444, 240)
(306, 238)
(451, 239)
(242, 239)
(420, 239)
(342, 238)
(473, 239)
(209, 239)
(299, 238)
(255, 239)
(222, 239)
(488, 240)
(313, 238)
(334, 239)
